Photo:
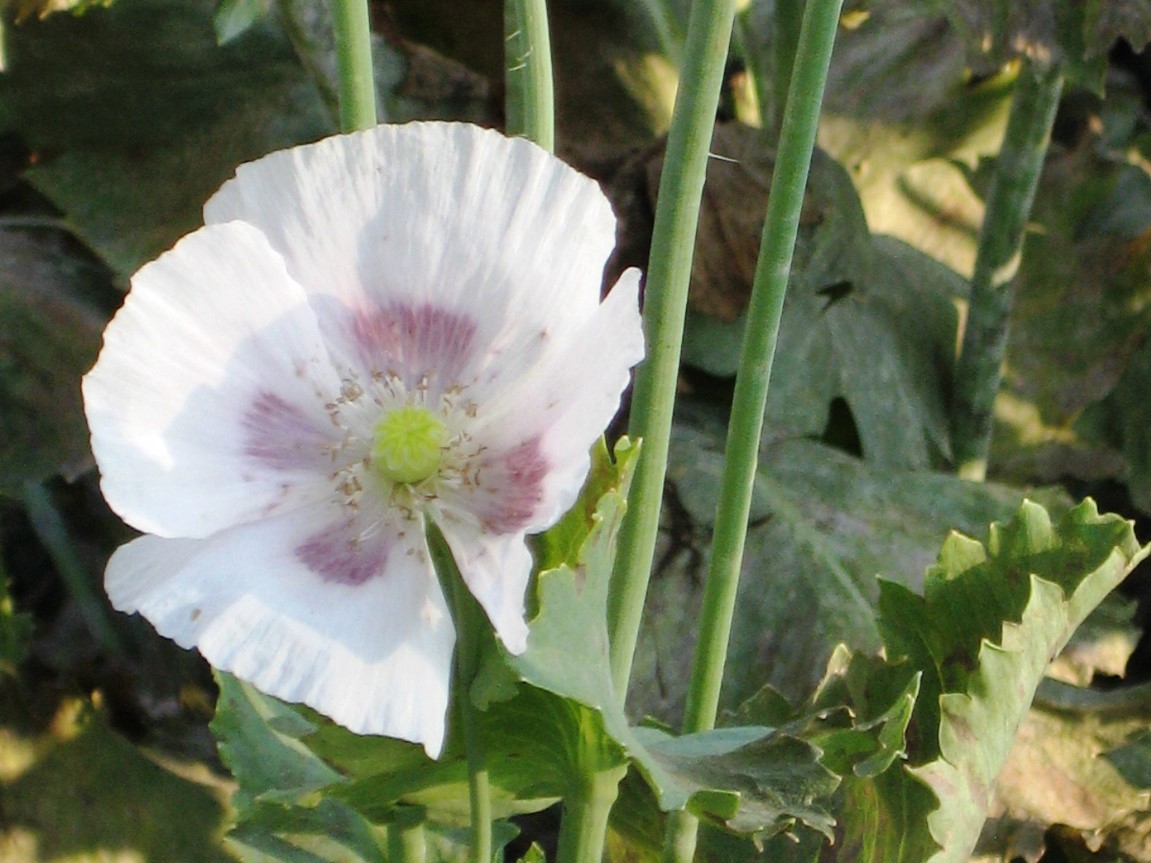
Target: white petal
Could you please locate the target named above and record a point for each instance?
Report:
(537, 432)
(206, 404)
(496, 570)
(373, 654)
(441, 215)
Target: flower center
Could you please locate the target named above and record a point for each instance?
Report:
(407, 444)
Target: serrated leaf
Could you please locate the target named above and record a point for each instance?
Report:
(259, 739)
(329, 832)
(50, 301)
(766, 782)
(984, 631)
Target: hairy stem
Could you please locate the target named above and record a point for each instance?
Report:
(530, 101)
(1009, 200)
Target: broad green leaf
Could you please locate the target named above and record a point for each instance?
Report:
(329, 832)
(823, 526)
(983, 633)
(844, 332)
(1081, 307)
(140, 116)
(903, 117)
(1126, 414)
(770, 781)
(259, 740)
(54, 304)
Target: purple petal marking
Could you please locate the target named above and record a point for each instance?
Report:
(414, 342)
(512, 485)
(341, 555)
(280, 436)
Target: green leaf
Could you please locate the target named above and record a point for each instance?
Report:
(764, 783)
(259, 739)
(329, 832)
(823, 525)
(140, 116)
(1076, 36)
(844, 325)
(1127, 413)
(983, 633)
(54, 305)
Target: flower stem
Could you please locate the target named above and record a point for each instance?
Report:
(1009, 200)
(583, 830)
(407, 843)
(354, 53)
(669, 271)
(469, 620)
(786, 23)
(528, 72)
(781, 224)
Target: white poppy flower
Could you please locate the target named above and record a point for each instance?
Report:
(370, 331)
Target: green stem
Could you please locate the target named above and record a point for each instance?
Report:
(470, 623)
(1009, 200)
(777, 244)
(407, 843)
(583, 830)
(667, 32)
(354, 54)
(750, 105)
(669, 271)
(528, 72)
(786, 23)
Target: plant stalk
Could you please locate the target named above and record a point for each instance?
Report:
(353, 33)
(407, 843)
(530, 101)
(668, 275)
(583, 829)
(469, 620)
(777, 245)
(769, 288)
(1009, 199)
(786, 25)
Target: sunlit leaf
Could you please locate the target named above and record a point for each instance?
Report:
(988, 624)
